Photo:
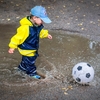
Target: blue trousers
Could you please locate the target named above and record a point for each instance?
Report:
(28, 65)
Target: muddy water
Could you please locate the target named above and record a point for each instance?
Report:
(56, 60)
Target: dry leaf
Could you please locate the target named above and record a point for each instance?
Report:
(57, 16)
(84, 15)
(63, 88)
(64, 6)
(17, 17)
(65, 93)
(49, 7)
(17, 5)
(70, 87)
(82, 28)
(98, 20)
(97, 5)
(80, 24)
(68, 23)
(8, 19)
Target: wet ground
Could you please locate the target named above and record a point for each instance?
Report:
(76, 38)
(56, 60)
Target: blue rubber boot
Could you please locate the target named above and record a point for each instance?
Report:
(36, 76)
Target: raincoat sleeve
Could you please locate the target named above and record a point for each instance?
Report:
(19, 37)
(43, 33)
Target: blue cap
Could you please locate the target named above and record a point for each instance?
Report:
(40, 12)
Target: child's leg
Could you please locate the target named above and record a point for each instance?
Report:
(28, 65)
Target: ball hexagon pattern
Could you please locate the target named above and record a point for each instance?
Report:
(83, 73)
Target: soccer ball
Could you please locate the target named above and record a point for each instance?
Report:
(83, 73)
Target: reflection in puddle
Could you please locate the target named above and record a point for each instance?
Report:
(64, 51)
(92, 45)
(56, 60)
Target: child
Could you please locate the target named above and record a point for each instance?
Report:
(27, 39)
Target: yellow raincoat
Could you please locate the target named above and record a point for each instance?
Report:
(23, 35)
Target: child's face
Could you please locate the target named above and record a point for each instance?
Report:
(37, 20)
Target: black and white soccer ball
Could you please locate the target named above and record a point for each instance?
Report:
(83, 73)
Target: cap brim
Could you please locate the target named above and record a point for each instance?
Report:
(46, 20)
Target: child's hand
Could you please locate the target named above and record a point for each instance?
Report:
(11, 50)
(49, 36)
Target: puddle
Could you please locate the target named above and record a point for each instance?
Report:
(56, 60)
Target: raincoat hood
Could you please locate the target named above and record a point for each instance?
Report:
(25, 21)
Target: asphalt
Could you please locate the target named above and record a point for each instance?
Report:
(72, 16)
(81, 17)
